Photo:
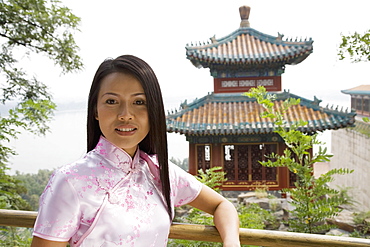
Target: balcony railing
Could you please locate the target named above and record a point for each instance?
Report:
(210, 234)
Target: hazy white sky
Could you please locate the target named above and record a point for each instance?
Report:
(158, 32)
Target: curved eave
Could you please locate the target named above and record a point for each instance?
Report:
(356, 92)
(248, 46)
(333, 123)
(209, 62)
(210, 116)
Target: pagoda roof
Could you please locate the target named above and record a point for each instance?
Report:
(235, 114)
(359, 90)
(247, 46)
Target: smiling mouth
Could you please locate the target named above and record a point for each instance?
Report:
(126, 129)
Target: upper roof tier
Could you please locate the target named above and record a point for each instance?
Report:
(248, 50)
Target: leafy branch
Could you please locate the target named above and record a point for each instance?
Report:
(356, 46)
(314, 201)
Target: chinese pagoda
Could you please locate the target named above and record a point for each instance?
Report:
(360, 99)
(225, 129)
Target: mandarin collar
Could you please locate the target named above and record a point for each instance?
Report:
(118, 157)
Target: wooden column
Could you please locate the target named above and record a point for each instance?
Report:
(192, 159)
(216, 155)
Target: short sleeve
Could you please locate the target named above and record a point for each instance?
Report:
(184, 186)
(59, 211)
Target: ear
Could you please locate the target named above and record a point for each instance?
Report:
(96, 116)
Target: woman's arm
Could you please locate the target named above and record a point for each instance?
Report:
(39, 242)
(225, 216)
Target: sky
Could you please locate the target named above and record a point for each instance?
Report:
(158, 31)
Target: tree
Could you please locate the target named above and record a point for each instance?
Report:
(356, 46)
(31, 27)
(34, 184)
(314, 201)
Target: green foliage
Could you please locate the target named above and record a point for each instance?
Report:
(29, 27)
(261, 191)
(42, 26)
(34, 184)
(360, 234)
(213, 177)
(12, 236)
(252, 217)
(10, 190)
(313, 199)
(356, 46)
(362, 220)
(344, 193)
(255, 217)
(362, 127)
(191, 243)
(196, 216)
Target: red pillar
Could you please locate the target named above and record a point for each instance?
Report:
(192, 159)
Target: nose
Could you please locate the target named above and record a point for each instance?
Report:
(125, 112)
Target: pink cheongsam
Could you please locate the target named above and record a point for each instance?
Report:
(110, 199)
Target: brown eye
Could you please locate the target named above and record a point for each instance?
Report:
(110, 101)
(139, 102)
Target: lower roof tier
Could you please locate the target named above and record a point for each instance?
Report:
(235, 114)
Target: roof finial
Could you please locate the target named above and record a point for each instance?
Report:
(244, 15)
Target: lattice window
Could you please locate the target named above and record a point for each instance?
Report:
(353, 102)
(256, 166)
(241, 162)
(358, 106)
(366, 105)
(204, 157)
(243, 156)
(229, 166)
(200, 155)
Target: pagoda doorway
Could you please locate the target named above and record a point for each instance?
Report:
(242, 166)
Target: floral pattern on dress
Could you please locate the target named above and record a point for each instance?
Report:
(114, 196)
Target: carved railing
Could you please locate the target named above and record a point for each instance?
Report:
(210, 234)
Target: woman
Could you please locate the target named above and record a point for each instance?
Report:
(123, 192)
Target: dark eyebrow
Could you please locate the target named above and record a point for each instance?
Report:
(137, 94)
(116, 94)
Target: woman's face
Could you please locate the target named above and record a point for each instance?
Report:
(122, 111)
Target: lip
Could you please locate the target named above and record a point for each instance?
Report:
(125, 130)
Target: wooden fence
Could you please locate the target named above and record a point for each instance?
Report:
(210, 233)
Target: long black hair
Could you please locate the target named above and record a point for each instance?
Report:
(156, 140)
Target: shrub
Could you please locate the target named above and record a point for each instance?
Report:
(213, 177)
(313, 200)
